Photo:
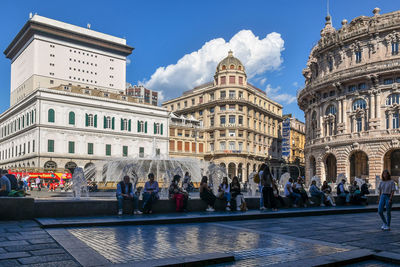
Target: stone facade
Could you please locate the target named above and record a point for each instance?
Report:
(297, 140)
(351, 99)
(241, 124)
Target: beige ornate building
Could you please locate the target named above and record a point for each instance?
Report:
(241, 125)
(186, 137)
(351, 99)
(296, 140)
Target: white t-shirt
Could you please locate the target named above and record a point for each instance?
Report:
(225, 188)
(288, 188)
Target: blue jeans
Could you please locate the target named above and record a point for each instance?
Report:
(384, 201)
(296, 197)
(135, 201)
(228, 197)
(148, 200)
(260, 188)
(345, 195)
(319, 195)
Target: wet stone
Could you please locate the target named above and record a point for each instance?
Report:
(45, 258)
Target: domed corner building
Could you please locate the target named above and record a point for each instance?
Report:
(351, 99)
(240, 126)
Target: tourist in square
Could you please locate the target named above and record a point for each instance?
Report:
(355, 193)
(126, 190)
(386, 190)
(315, 192)
(298, 187)
(206, 194)
(5, 185)
(342, 192)
(224, 192)
(38, 183)
(268, 192)
(327, 189)
(260, 186)
(290, 194)
(150, 194)
(237, 195)
(276, 193)
(13, 180)
(178, 194)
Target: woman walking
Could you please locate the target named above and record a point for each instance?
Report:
(386, 189)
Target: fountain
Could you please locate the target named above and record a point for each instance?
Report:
(317, 180)
(215, 173)
(252, 184)
(79, 184)
(283, 181)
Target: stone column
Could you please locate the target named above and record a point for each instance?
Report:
(340, 120)
(372, 106)
(378, 105)
(344, 114)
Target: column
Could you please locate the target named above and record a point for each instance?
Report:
(378, 105)
(344, 114)
(340, 111)
(372, 105)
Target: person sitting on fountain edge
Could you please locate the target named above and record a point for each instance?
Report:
(150, 194)
(341, 192)
(315, 192)
(206, 194)
(290, 194)
(237, 195)
(178, 194)
(125, 190)
(224, 192)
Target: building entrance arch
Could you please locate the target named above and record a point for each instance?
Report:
(330, 168)
(359, 166)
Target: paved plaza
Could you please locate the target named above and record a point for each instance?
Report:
(295, 241)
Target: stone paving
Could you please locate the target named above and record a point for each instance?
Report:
(295, 241)
(25, 243)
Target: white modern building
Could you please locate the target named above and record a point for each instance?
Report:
(68, 101)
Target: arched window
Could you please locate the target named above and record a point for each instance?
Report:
(223, 67)
(50, 165)
(240, 68)
(51, 115)
(232, 67)
(393, 99)
(331, 109)
(71, 118)
(313, 125)
(359, 104)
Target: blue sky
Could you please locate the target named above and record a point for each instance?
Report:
(163, 32)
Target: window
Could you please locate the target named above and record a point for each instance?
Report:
(90, 149)
(232, 133)
(352, 88)
(211, 110)
(232, 107)
(158, 128)
(362, 86)
(222, 146)
(142, 127)
(232, 119)
(125, 151)
(395, 48)
(387, 121)
(393, 99)
(158, 152)
(211, 146)
(212, 121)
(358, 56)
(222, 108)
(71, 118)
(71, 147)
(50, 115)
(331, 109)
(359, 104)
(240, 108)
(240, 134)
(359, 124)
(124, 124)
(232, 94)
(223, 94)
(200, 113)
(232, 146)
(388, 81)
(50, 145)
(108, 150)
(240, 146)
(223, 80)
(141, 152)
(193, 101)
(330, 64)
(222, 120)
(231, 79)
(396, 120)
(185, 104)
(222, 133)
(200, 99)
(241, 80)
(91, 120)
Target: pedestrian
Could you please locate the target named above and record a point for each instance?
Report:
(206, 194)
(150, 194)
(237, 195)
(341, 192)
(224, 192)
(268, 192)
(178, 194)
(290, 194)
(260, 186)
(386, 189)
(126, 190)
(327, 189)
(315, 192)
(38, 183)
(5, 185)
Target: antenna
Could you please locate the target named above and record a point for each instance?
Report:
(327, 8)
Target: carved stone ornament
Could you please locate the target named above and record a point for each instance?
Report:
(355, 146)
(395, 142)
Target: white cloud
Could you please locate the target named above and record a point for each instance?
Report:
(295, 84)
(128, 61)
(257, 55)
(282, 98)
(263, 81)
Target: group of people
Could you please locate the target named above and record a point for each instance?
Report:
(9, 185)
